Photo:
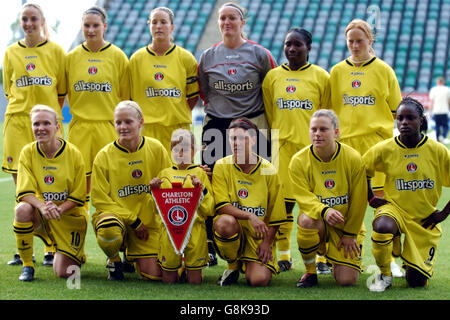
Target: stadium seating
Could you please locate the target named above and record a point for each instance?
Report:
(411, 35)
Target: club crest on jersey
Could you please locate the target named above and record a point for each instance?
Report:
(232, 71)
(30, 67)
(9, 159)
(411, 167)
(92, 70)
(159, 76)
(356, 84)
(177, 215)
(136, 174)
(49, 179)
(291, 89)
(329, 184)
(243, 193)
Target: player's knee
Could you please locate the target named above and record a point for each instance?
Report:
(385, 224)
(256, 279)
(414, 278)
(24, 212)
(226, 226)
(347, 278)
(109, 235)
(306, 222)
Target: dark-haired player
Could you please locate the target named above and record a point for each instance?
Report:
(416, 169)
(250, 208)
(292, 92)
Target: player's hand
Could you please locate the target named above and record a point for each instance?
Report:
(141, 232)
(155, 183)
(264, 252)
(196, 182)
(334, 217)
(433, 219)
(377, 202)
(350, 247)
(259, 226)
(50, 211)
(207, 170)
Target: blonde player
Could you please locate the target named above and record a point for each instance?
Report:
(124, 218)
(51, 189)
(250, 209)
(33, 73)
(98, 79)
(416, 169)
(330, 185)
(292, 92)
(168, 89)
(364, 94)
(196, 253)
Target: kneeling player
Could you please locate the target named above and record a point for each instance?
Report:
(121, 195)
(51, 189)
(329, 182)
(196, 252)
(250, 209)
(416, 168)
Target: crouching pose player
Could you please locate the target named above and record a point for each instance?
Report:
(416, 168)
(121, 195)
(250, 208)
(329, 181)
(51, 190)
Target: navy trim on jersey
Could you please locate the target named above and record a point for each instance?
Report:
(421, 142)
(118, 146)
(363, 65)
(338, 150)
(287, 68)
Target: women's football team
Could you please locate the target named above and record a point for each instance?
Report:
(273, 137)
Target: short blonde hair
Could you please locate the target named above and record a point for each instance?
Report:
(330, 114)
(43, 108)
(130, 105)
(180, 135)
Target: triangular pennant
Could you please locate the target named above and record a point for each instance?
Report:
(177, 207)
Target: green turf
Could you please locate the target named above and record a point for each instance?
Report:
(94, 286)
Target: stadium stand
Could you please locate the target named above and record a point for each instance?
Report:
(411, 35)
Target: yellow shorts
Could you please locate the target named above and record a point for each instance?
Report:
(195, 254)
(362, 144)
(281, 159)
(90, 137)
(419, 245)
(333, 237)
(68, 234)
(17, 133)
(163, 133)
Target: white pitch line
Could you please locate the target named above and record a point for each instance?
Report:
(5, 179)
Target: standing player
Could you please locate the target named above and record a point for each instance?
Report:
(292, 92)
(98, 78)
(121, 195)
(416, 169)
(439, 106)
(364, 94)
(330, 186)
(33, 73)
(168, 89)
(231, 73)
(196, 252)
(250, 209)
(51, 189)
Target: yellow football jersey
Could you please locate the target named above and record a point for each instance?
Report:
(291, 97)
(34, 76)
(364, 98)
(340, 184)
(161, 84)
(60, 178)
(97, 81)
(174, 174)
(120, 181)
(258, 192)
(414, 176)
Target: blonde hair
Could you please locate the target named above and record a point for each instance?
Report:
(43, 108)
(180, 135)
(130, 105)
(330, 114)
(45, 31)
(241, 10)
(364, 27)
(163, 9)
